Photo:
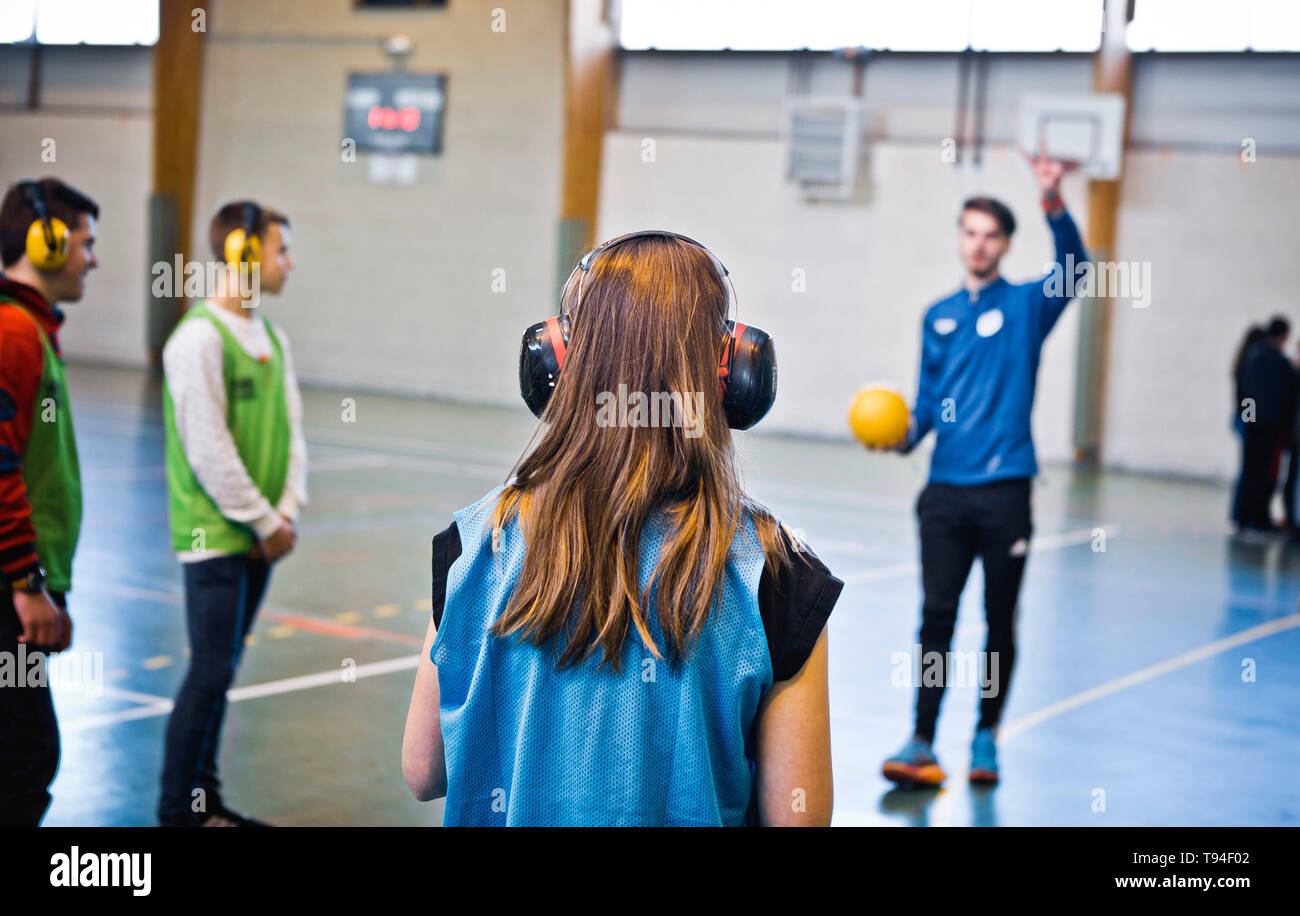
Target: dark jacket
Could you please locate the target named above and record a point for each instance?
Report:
(1268, 379)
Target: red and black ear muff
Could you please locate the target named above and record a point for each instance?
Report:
(747, 374)
(540, 359)
(746, 370)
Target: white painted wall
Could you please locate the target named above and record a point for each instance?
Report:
(871, 269)
(108, 158)
(95, 109)
(392, 287)
(1220, 236)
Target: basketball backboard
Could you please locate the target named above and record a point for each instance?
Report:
(1084, 128)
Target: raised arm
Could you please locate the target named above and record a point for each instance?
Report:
(1070, 253)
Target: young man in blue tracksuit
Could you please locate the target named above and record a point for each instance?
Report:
(979, 361)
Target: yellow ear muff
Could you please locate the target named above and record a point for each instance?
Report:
(48, 250)
(243, 248)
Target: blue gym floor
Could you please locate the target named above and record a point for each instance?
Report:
(1158, 679)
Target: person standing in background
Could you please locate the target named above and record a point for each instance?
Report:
(1268, 401)
(47, 244)
(1255, 335)
(236, 479)
(980, 349)
(1289, 491)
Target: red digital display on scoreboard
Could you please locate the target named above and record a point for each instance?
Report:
(396, 112)
(382, 117)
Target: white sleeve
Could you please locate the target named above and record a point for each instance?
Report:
(295, 487)
(192, 364)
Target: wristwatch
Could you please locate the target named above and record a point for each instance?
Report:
(32, 583)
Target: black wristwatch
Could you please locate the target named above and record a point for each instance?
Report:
(33, 583)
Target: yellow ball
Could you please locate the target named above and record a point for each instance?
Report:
(879, 417)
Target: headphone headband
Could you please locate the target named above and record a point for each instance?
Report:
(35, 195)
(252, 216)
(243, 244)
(585, 263)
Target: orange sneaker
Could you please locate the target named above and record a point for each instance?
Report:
(914, 765)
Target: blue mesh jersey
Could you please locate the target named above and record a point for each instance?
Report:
(654, 744)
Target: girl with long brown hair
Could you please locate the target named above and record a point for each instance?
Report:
(621, 636)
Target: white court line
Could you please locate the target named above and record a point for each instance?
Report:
(336, 676)
(157, 706)
(1039, 543)
(142, 594)
(1023, 724)
(112, 718)
(134, 696)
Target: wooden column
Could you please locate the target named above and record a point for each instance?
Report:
(590, 102)
(177, 76)
(1112, 72)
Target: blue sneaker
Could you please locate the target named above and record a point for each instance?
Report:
(984, 759)
(913, 765)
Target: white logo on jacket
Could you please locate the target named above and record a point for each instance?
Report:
(945, 326)
(989, 323)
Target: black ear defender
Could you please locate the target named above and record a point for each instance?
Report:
(746, 367)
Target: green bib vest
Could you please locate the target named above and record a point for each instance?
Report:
(51, 472)
(257, 414)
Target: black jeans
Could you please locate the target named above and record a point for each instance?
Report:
(221, 600)
(29, 732)
(992, 521)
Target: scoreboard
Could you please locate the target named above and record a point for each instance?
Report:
(395, 112)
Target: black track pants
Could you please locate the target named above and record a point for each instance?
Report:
(991, 521)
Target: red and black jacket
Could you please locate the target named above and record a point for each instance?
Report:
(22, 359)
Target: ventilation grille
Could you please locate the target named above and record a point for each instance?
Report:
(823, 140)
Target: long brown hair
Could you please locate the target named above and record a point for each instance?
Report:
(652, 318)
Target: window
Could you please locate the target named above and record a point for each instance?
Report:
(822, 25)
(70, 22)
(1215, 25)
